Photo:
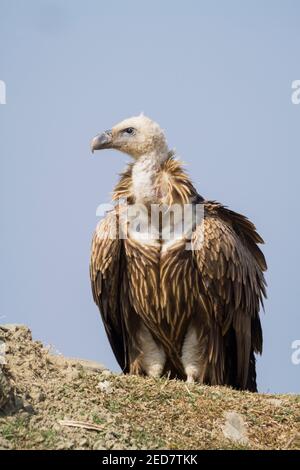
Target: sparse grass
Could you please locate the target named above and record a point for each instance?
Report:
(98, 420)
(147, 414)
(137, 412)
(49, 436)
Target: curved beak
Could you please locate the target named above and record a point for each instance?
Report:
(102, 141)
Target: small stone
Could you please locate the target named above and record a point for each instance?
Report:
(275, 402)
(235, 427)
(105, 386)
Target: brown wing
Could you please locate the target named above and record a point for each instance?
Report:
(105, 269)
(231, 267)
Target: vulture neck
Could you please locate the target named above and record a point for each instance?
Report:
(159, 180)
(145, 173)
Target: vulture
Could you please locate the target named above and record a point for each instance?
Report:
(182, 298)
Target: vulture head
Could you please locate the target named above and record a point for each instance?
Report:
(137, 136)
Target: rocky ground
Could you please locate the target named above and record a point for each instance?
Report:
(50, 402)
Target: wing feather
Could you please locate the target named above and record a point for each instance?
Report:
(105, 272)
(231, 266)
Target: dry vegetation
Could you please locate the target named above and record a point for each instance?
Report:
(41, 395)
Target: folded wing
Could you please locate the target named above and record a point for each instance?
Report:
(232, 281)
(105, 274)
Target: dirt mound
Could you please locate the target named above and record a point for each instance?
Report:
(52, 402)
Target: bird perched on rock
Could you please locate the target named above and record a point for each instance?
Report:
(186, 304)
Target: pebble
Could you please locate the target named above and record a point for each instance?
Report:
(275, 402)
(235, 428)
(105, 386)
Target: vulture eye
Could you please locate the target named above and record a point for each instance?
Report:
(129, 130)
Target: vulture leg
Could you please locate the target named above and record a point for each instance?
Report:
(153, 357)
(192, 355)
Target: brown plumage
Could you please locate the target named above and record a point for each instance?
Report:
(192, 313)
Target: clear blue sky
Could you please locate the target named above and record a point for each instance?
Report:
(216, 75)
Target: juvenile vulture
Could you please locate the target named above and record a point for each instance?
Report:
(186, 305)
